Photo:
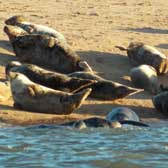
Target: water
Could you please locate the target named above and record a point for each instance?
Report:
(31, 147)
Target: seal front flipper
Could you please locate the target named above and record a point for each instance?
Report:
(79, 97)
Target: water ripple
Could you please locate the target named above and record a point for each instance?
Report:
(89, 148)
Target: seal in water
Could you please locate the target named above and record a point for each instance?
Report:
(32, 28)
(105, 89)
(160, 102)
(140, 53)
(92, 122)
(30, 96)
(145, 77)
(115, 119)
(125, 115)
(47, 78)
(45, 51)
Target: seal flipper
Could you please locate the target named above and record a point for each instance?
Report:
(122, 48)
(135, 123)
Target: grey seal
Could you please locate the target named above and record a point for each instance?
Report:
(105, 89)
(140, 53)
(160, 101)
(115, 119)
(30, 96)
(47, 78)
(45, 51)
(32, 28)
(145, 77)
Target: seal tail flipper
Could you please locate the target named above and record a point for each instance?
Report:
(124, 91)
(122, 48)
(79, 97)
(135, 123)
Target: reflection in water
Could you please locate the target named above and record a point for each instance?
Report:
(67, 147)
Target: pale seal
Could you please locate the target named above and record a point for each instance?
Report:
(140, 53)
(32, 28)
(145, 77)
(45, 51)
(14, 31)
(49, 79)
(105, 89)
(30, 96)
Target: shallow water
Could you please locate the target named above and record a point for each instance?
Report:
(34, 147)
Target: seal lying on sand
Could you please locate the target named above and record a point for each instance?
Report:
(14, 31)
(32, 28)
(45, 51)
(30, 96)
(145, 77)
(140, 53)
(105, 89)
(47, 78)
(115, 119)
(160, 102)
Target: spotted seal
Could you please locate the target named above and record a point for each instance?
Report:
(140, 53)
(30, 96)
(31, 28)
(47, 78)
(105, 89)
(45, 51)
(145, 77)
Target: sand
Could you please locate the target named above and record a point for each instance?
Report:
(92, 28)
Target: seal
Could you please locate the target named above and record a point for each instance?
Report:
(92, 122)
(31, 28)
(105, 89)
(160, 102)
(45, 51)
(124, 115)
(145, 77)
(47, 78)
(114, 119)
(14, 31)
(140, 53)
(30, 96)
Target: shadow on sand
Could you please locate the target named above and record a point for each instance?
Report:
(147, 30)
(6, 58)
(5, 44)
(164, 46)
(111, 66)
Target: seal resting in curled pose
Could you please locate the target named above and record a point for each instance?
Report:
(30, 96)
(32, 28)
(45, 51)
(105, 89)
(145, 77)
(47, 78)
(115, 119)
(140, 53)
